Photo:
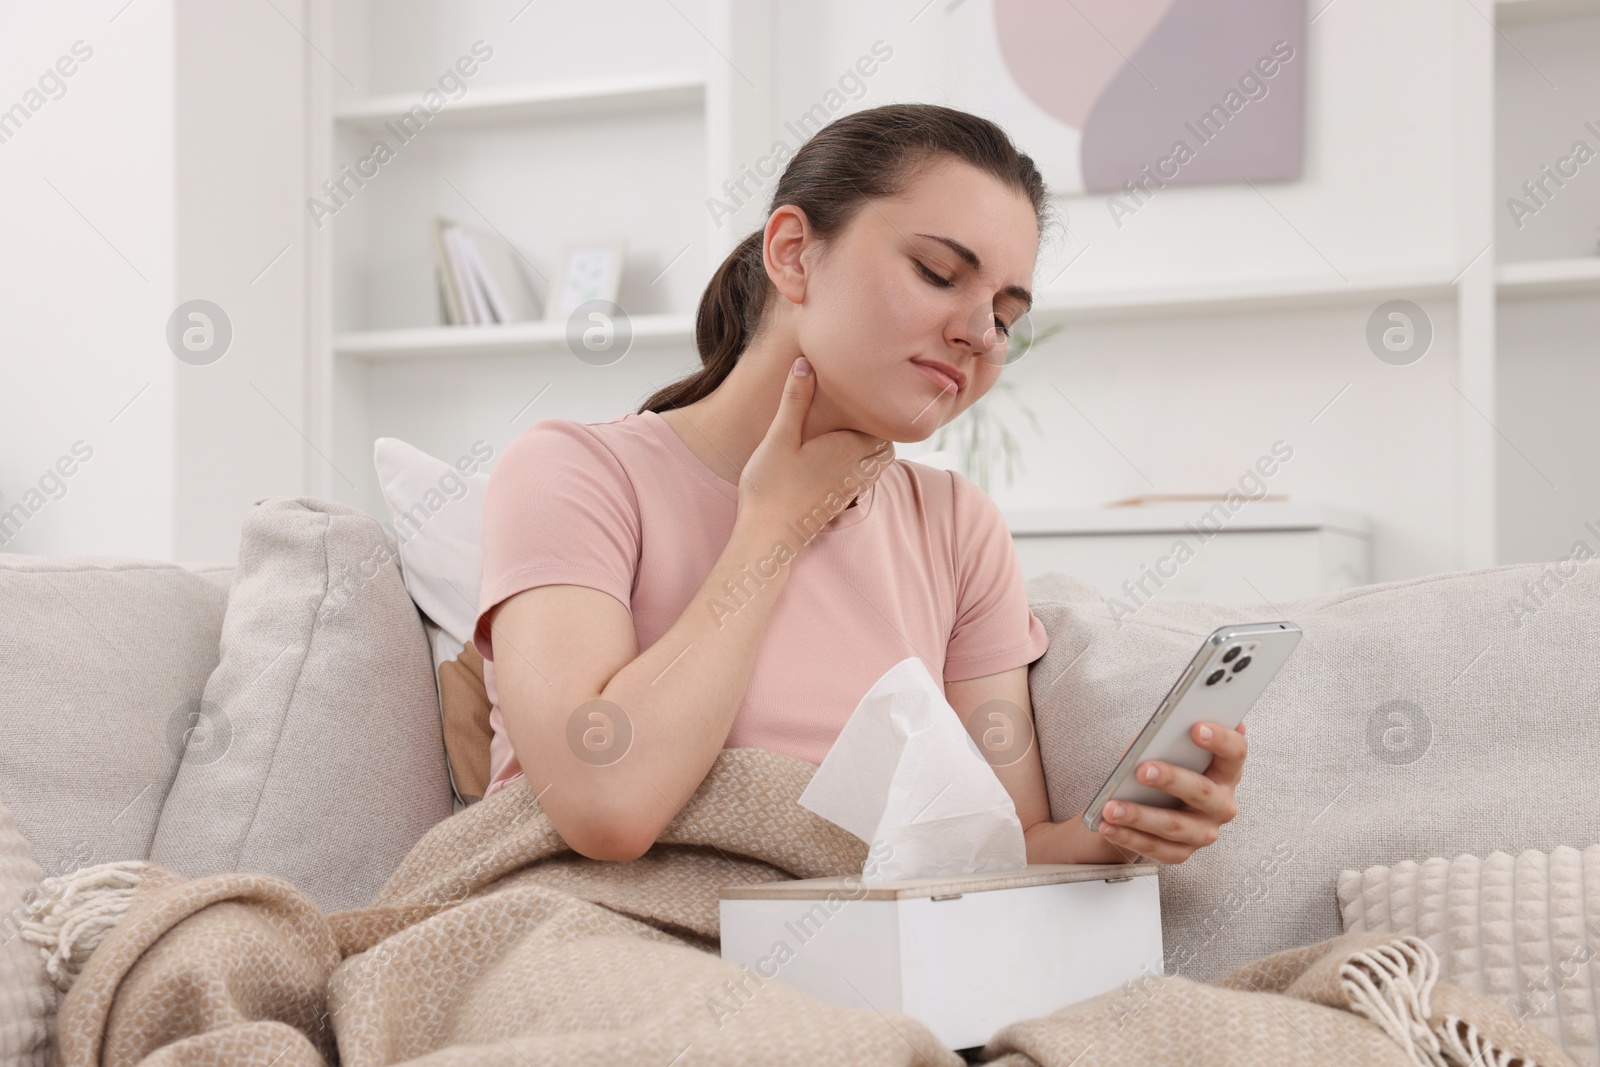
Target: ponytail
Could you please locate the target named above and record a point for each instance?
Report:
(730, 313)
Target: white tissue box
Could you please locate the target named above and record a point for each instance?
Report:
(964, 955)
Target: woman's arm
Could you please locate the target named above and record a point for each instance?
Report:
(560, 647)
(614, 741)
(1163, 834)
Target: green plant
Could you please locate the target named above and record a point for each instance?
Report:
(980, 432)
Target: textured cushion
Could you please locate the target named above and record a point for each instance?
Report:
(315, 753)
(437, 513)
(1524, 931)
(28, 1000)
(104, 659)
(1432, 716)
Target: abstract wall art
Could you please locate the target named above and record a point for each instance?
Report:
(1153, 92)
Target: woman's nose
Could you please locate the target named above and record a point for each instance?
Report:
(978, 333)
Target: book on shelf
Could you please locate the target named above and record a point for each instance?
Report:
(447, 293)
(456, 263)
(481, 281)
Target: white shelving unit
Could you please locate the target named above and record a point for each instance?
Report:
(510, 107)
(1520, 12)
(436, 342)
(1549, 277)
(509, 148)
(1547, 85)
(1050, 309)
(592, 97)
(549, 144)
(1270, 293)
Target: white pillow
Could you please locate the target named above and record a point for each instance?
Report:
(436, 517)
(436, 511)
(28, 999)
(1524, 931)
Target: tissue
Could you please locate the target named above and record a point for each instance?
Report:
(905, 777)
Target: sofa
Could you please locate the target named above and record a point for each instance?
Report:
(212, 717)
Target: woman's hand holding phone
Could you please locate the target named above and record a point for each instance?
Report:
(1172, 835)
(787, 479)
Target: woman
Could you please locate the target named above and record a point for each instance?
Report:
(737, 562)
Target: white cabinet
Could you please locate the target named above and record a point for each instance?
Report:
(1266, 553)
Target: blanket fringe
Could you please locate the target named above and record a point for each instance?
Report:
(1465, 1045)
(74, 912)
(1390, 984)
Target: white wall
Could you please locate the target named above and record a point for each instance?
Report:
(87, 269)
(242, 244)
(170, 169)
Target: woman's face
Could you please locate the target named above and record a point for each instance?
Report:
(935, 275)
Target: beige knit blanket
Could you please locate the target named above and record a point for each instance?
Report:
(495, 944)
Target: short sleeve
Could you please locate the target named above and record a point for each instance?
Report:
(559, 510)
(995, 629)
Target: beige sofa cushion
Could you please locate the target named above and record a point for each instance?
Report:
(28, 1001)
(1524, 931)
(103, 657)
(1432, 716)
(316, 753)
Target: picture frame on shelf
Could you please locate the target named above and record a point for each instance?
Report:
(591, 271)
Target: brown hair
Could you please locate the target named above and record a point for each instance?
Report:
(860, 157)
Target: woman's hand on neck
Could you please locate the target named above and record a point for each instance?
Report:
(723, 429)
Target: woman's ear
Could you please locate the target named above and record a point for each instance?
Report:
(788, 234)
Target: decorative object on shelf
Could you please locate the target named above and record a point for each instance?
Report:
(588, 272)
(480, 280)
(980, 432)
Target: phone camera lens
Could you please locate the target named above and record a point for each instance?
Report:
(1241, 664)
(1227, 657)
(1216, 676)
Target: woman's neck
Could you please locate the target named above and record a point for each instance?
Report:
(724, 428)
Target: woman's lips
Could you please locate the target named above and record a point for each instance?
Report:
(943, 380)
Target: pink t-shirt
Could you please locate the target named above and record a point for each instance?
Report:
(923, 565)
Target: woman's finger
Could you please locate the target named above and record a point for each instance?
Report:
(1201, 792)
(1185, 827)
(1127, 839)
(1228, 748)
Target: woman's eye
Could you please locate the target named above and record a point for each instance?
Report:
(943, 283)
(1002, 327)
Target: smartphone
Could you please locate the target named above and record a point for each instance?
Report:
(1232, 668)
